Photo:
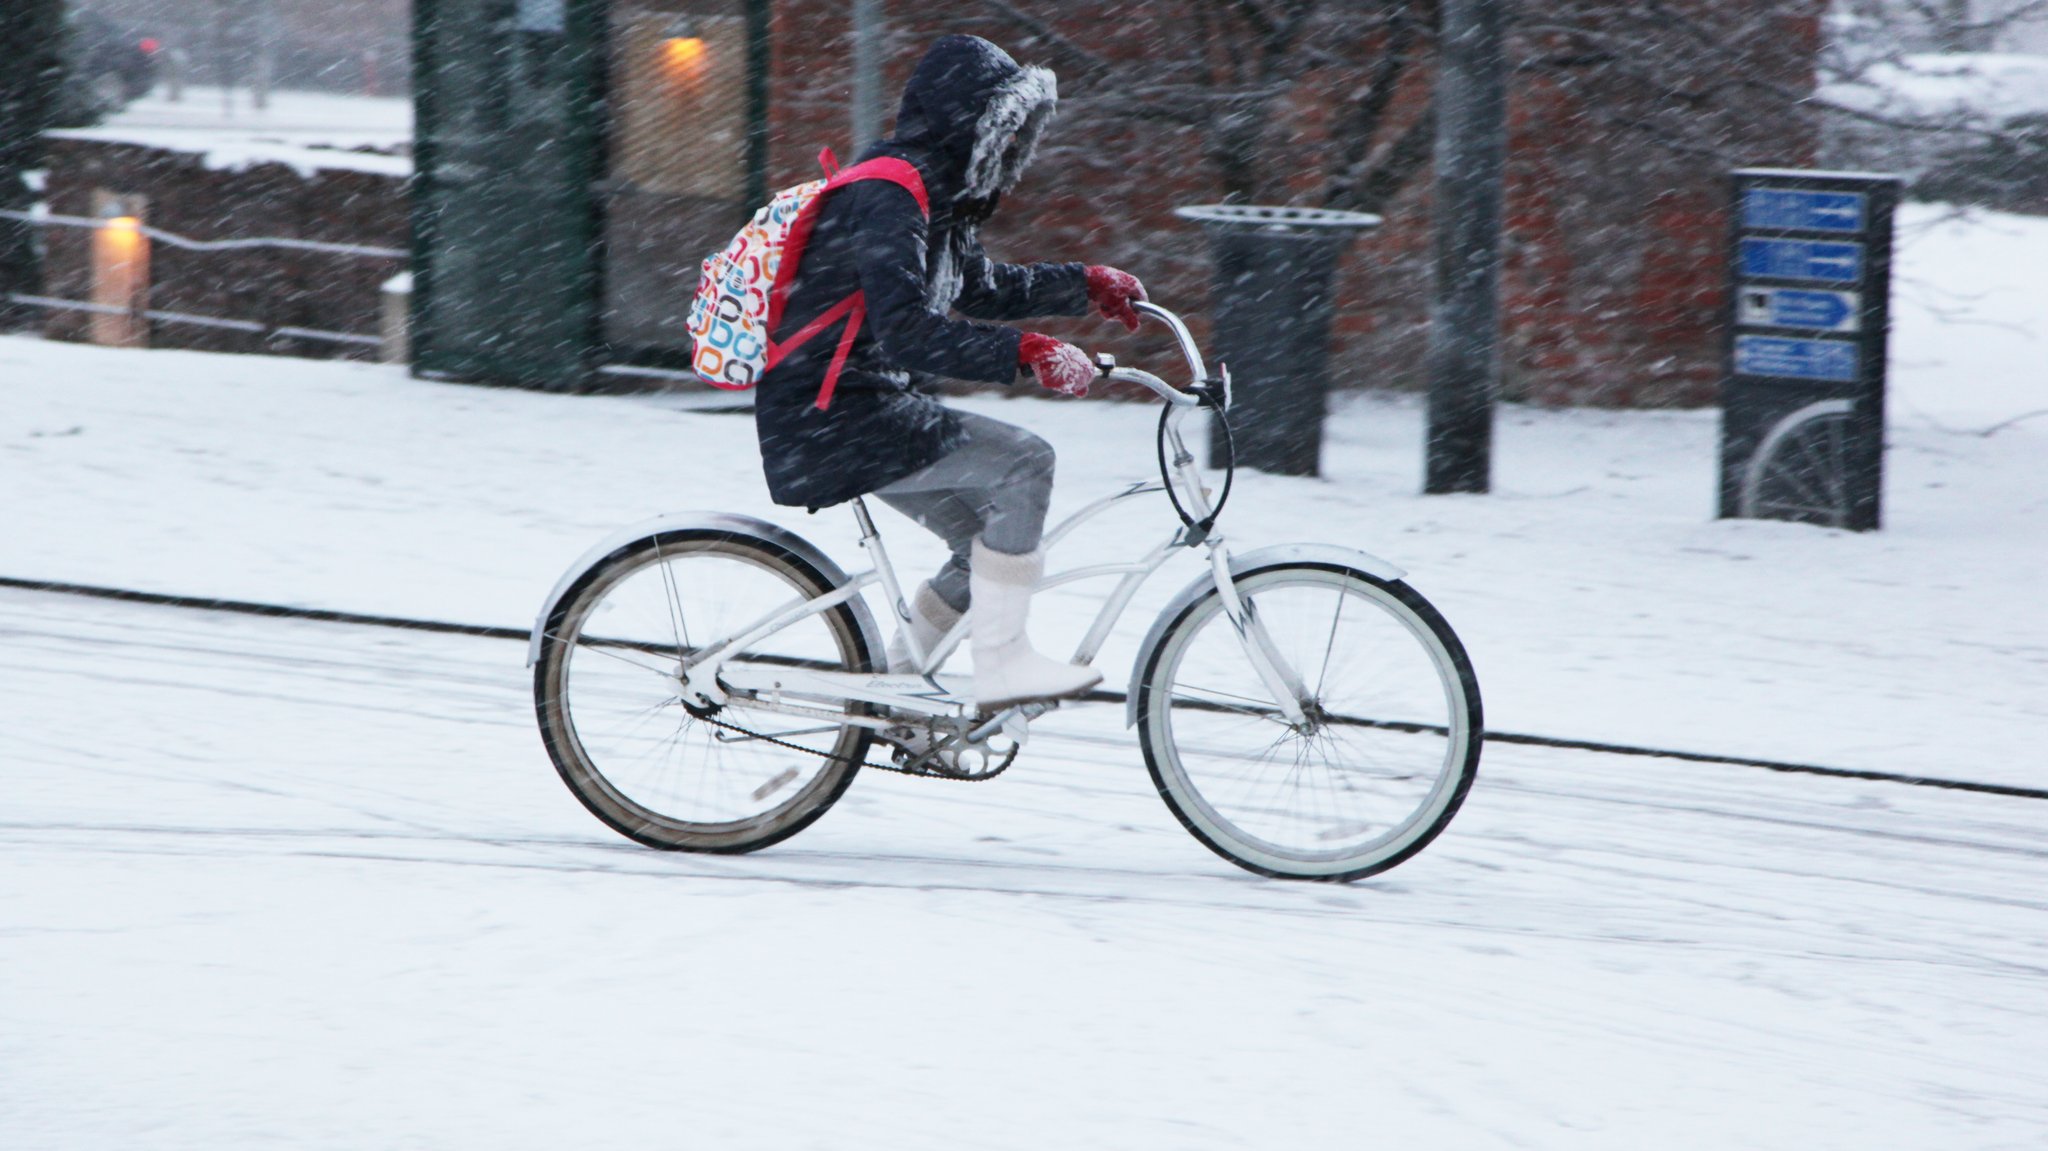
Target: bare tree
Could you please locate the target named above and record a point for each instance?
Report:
(1906, 87)
(1236, 73)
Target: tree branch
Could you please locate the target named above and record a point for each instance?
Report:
(1393, 168)
(1069, 54)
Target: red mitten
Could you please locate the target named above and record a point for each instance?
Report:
(1111, 291)
(1060, 366)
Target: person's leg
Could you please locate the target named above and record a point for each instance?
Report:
(1000, 478)
(951, 518)
(995, 486)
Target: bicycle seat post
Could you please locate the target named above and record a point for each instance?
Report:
(871, 539)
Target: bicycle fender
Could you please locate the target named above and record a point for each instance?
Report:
(1241, 565)
(705, 521)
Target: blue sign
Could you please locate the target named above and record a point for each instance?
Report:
(1797, 209)
(1826, 311)
(1826, 260)
(1795, 359)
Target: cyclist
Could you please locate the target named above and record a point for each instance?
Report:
(969, 122)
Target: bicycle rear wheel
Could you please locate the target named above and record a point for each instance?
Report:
(1387, 750)
(608, 694)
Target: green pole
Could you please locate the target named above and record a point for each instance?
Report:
(31, 80)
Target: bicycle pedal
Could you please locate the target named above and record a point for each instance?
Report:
(1017, 728)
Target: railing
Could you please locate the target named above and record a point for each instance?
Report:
(191, 245)
(186, 243)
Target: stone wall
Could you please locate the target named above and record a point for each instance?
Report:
(275, 288)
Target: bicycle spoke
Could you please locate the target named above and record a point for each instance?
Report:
(678, 626)
(1336, 617)
(1260, 705)
(601, 646)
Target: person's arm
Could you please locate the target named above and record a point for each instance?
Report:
(890, 249)
(993, 291)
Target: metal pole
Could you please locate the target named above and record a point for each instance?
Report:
(265, 32)
(759, 59)
(224, 71)
(1464, 332)
(867, 73)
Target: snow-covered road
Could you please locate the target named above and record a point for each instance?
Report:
(276, 882)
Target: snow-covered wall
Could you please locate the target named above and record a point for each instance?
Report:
(292, 177)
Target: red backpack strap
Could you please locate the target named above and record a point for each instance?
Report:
(898, 172)
(853, 309)
(901, 173)
(859, 300)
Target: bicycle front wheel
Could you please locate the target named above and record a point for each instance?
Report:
(608, 693)
(1386, 750)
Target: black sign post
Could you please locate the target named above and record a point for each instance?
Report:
(1802, 405)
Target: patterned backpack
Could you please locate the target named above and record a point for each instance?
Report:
(741, 291)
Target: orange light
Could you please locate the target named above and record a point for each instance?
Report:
(120, 282)
(123, 235)
(682, 51)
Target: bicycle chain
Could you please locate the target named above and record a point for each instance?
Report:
(899, 769)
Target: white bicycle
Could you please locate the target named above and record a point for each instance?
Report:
(713, 682)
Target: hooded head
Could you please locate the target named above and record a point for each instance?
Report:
(977, 111)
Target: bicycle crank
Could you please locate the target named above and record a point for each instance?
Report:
(953, 754)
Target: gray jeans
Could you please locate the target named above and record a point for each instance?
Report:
(996, 485)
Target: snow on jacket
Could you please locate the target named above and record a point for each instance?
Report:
(969, 122)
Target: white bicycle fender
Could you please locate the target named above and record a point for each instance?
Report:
(1250, 561)
(703, 521)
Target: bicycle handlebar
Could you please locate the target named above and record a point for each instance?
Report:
(1178, 471)
(1165, 391)
(1180, 332)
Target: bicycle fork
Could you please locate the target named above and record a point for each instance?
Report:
(1281, 681)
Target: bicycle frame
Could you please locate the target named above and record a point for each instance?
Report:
(819, 694)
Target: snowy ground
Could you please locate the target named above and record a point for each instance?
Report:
(316, 885)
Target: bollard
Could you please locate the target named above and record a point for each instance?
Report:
(120, 272)
(396, 295)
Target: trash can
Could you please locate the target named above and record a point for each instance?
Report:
(1274, 297)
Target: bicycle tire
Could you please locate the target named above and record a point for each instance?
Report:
(609, 799)
(1208, 817)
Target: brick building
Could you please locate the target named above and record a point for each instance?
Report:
(1616, 225)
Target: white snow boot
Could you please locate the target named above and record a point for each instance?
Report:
(931, 619)
(1007, 670)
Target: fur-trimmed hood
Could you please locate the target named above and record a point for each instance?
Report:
(969, 122)
(977, 110)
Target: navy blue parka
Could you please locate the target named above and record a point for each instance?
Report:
(969, 121)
